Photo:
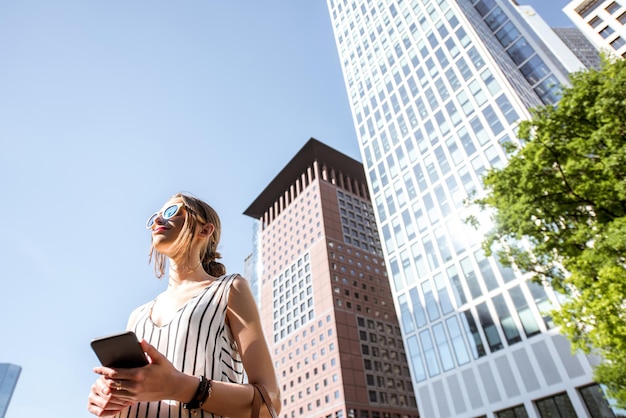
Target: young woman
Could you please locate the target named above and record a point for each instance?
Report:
(200, 334)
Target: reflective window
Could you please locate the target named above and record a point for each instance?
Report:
(484, 6)
(507, 34)
(549, 90)
(485, 270)
(431, 303)
(520, 51)
(419, 373)
(443, 347)
(490, 81)
(429, 353)
(477, 92)
(419, 176)
(507, 109)
(612, 7)
(405, 314)
(606, 32)
(409, 226)
(454, 150)
(496, 18)
(518, 411)
(544, 305)
(431, 211)
(595, 22)
(466, 72)
(493, 120)
(442, 243)
(476, 58)
(418, 310)
(471, 330)
(453, 113)
(489, 327)
(556, 406)
(471, 278)
(457, 195)
(442, 294)
(456, 337)
(457, 287)
(524, 312)
(596, 401)
(431, 254)
(511, 333)
(466, 142)
(535, 70)
(618, 43)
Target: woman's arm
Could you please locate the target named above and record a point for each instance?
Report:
(235, 400)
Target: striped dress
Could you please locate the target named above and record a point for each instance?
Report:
(197, 341)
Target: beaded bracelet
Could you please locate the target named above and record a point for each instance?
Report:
(202, 394)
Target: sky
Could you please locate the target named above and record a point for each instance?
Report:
(107, 108)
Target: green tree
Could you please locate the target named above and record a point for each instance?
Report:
(559, 212)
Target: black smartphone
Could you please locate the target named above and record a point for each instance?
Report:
(121, 350)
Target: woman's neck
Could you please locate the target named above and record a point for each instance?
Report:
(185, 272)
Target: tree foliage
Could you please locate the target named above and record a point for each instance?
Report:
(559, 212)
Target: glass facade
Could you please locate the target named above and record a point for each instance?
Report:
(436, 87)
(9, 373)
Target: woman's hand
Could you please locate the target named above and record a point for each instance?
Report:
(102, 400)
(157, 381)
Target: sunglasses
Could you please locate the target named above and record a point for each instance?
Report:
(168, 212)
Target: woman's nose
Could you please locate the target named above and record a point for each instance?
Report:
(159, 218)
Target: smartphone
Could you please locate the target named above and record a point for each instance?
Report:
(121, 350)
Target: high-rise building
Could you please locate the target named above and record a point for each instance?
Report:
(603, 22)
(325, 300)
(436, 87)
(9, 373)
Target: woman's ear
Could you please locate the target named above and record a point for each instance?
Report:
(207, 230)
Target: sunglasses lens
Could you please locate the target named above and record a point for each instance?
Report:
(170, 211)
(151, 220)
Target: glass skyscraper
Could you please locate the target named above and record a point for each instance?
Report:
(9, 373)
(436, 87)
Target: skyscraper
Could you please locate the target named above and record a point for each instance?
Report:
(9, 373)
(436, 87)
(325, 301)
(602, 21)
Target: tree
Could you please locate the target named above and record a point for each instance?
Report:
(559, 212)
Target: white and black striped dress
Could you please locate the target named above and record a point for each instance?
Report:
(197, 341)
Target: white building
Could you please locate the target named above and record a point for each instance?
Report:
(436, 87)
(603, 23)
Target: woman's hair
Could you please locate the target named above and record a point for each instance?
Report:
(197, 213)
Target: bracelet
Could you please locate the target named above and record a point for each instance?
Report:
(202, 394)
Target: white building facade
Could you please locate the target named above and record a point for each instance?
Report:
(436, 87)
(602, 21)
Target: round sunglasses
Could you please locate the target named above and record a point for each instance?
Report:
(168, 212)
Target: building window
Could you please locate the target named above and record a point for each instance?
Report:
(595, 22)
(558, 406)
(524, 312)
(606, 32)
(518, 411)
(618, 43)
(612, 8)
(596, 403)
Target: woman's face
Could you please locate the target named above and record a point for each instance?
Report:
(166, 228)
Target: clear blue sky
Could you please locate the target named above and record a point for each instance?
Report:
(109, 107)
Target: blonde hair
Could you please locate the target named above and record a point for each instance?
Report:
(197, 213)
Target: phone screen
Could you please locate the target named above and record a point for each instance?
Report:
(120, 350)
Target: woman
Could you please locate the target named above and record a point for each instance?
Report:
(199, 334)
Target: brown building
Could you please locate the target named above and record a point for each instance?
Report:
(325, 300)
